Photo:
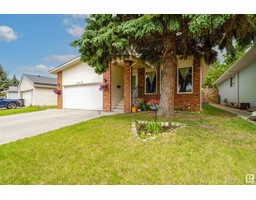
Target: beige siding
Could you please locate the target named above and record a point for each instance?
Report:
(44, 97)
(117, 78)
(205, 68)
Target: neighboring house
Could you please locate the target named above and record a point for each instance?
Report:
(129, 81)
(11, 93)
(237, 85)
(37, 90)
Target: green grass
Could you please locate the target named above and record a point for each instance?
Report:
(214, 148)
(4, 112)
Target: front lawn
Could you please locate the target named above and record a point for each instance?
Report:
(214, 148)
(4, 112)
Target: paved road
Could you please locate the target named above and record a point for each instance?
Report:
(19, 126)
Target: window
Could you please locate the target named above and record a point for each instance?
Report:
(150, 82)
(133, 82)
(185, 80)
(232, 81)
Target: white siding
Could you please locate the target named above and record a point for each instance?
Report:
(247, 85)
(28, 97)
(227, 92)
(44, 97)
(80, 74)
(25, 86)
(12, 95)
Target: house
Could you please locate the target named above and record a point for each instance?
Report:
(129, 81)
(237, 85)
(37, 90)
(11, 93)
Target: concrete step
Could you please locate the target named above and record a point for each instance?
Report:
(118, 110)
(119, 107)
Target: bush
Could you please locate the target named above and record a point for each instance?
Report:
(153, 127)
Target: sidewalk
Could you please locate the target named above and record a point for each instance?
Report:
(240, 113)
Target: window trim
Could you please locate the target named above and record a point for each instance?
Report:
(192, 79)
(145, 88)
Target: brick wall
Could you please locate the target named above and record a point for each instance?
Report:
(59, 100)
(107, 92)
(127, 86)
(180, 100)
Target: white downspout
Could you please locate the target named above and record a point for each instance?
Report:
(131, 82)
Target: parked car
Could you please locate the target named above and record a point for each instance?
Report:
(9, 103)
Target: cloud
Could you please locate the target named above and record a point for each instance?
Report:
(67, 21)
(59, 58)
(75, 24)
(7, 34)
(81, 16)
(75, 30)
(40, 69)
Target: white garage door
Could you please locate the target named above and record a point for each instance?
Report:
(27, 96)
(82, 97)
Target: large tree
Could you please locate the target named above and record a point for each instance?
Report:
(159, 39)
(14, 81)
(4, 81)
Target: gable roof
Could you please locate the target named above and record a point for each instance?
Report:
(245, 61)
(38, 80)
(65, 65)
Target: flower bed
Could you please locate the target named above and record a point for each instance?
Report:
(146, 129)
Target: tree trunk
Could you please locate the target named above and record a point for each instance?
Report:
(166, 108)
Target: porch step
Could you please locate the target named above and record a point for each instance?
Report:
(119, 107)
(118, 110)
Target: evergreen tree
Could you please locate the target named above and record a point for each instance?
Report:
(4, 81)
(161, 39)
(14, 81)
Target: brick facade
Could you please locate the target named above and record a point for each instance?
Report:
(59, 100)
(107, 92)
(184, 101)
(127, 86)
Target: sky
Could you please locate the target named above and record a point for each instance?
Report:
(34, 44)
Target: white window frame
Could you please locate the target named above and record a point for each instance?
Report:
(192, 79)
(145, 92)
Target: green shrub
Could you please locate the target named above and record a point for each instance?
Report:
(153, 127)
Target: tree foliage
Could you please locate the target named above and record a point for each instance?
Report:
(218, 68)
(160, 39)
(4, 81)
(14, 81)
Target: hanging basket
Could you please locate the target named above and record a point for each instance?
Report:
(57, 91)
(103, 86)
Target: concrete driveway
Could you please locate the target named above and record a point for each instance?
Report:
(19, 126)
